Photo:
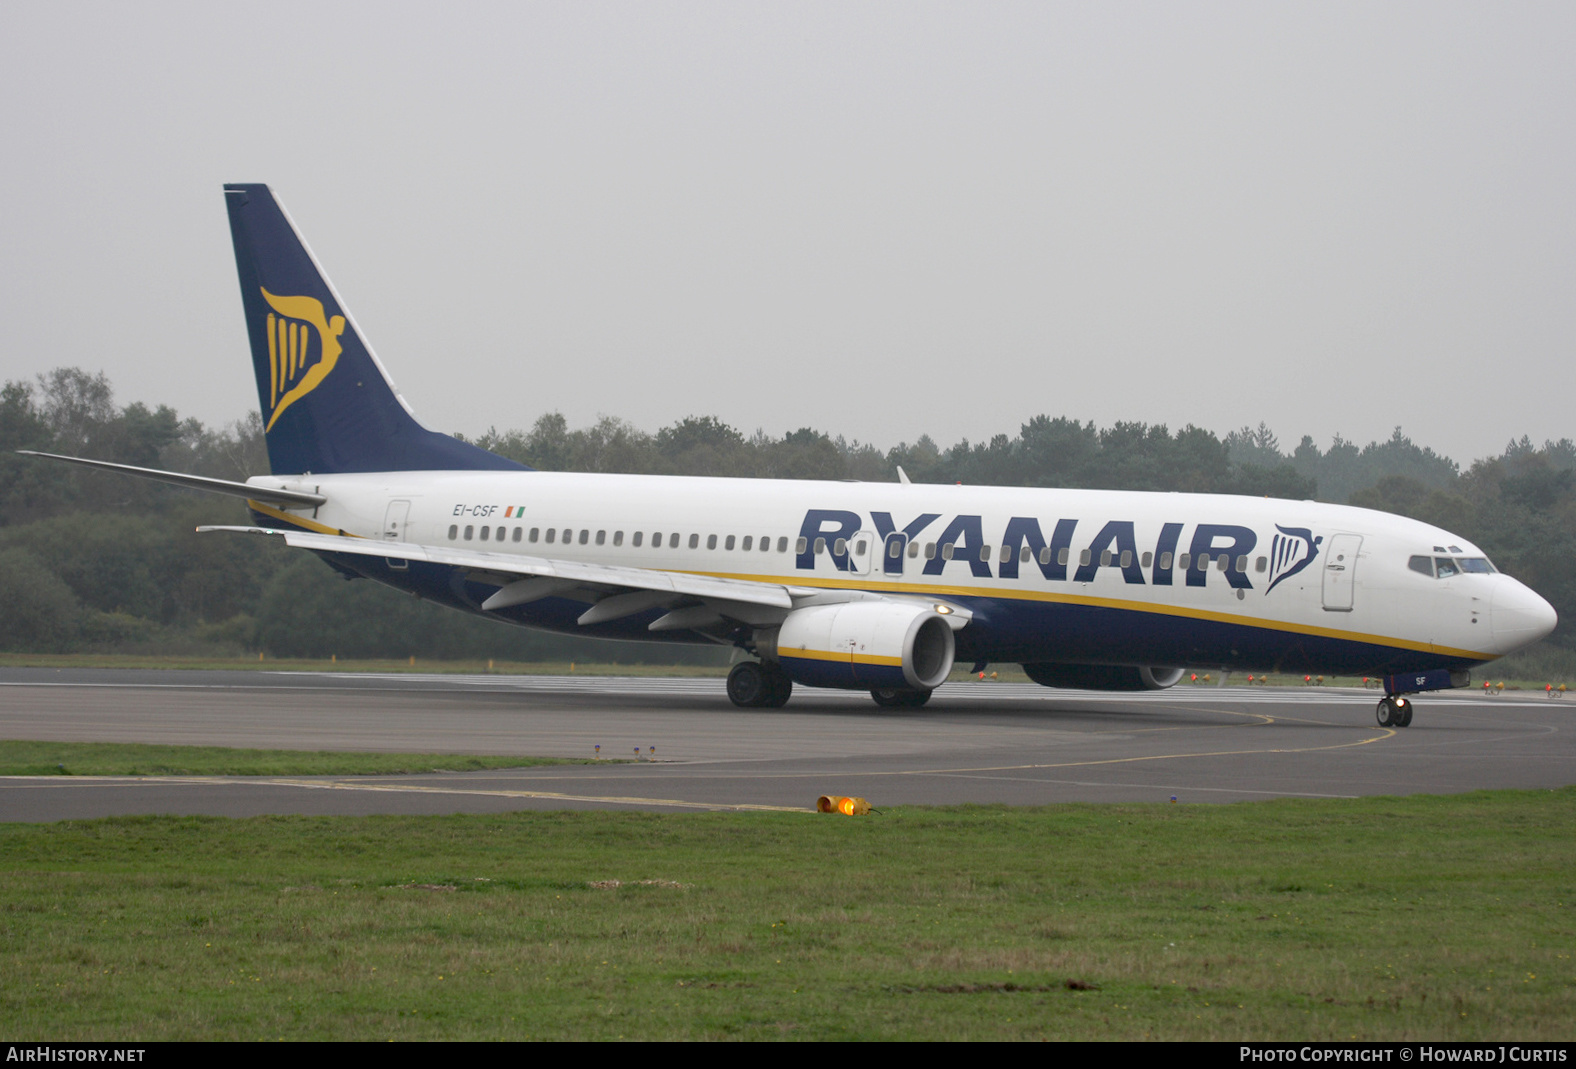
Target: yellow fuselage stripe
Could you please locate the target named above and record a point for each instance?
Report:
(297, 521)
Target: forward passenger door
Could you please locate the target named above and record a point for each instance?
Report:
(1340, 572)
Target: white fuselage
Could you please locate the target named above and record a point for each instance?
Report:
(1081, 575)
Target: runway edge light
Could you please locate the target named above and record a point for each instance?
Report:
(849, 807)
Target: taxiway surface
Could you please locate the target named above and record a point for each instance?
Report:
(975, 742)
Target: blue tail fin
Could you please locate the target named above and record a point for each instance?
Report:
(327, 404)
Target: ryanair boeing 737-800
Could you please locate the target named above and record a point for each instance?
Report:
(877, 587)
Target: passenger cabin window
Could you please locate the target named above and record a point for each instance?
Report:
(618, 538)
(985, 553)
(535, 533)
(711, 541)
(454, 531)
(1184, 560)
(518, 532)
(913, 550)
(946, 551)
(1045, 555)
(1144, 561)
(1260, 564)
(483, 535)
(1084, 557)
(601, 538)
(638, 535)
(673, 540)
(729, 543)
(820, 546)
(930, 551)
(1165, 562)
(694, 541)
(782, 544)
(585, 536)
(799, 546)
(552, 535)
(1062, 556)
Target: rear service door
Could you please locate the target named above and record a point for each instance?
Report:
(394, 522)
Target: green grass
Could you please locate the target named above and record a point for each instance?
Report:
(27, 758)
(1450, 918)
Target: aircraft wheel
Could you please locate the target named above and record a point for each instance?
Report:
(1402, 717)
(1382, 712)
(748, 685)
(779, 686)
(894, 698)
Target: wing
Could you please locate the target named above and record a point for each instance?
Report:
(695, 602)
(614, 591)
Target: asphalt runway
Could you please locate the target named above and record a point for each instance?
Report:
(974, 743)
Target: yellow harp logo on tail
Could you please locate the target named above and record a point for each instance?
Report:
(295, 364)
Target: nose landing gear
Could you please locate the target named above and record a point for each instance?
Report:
(1393, 711)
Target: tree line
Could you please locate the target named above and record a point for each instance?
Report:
(91, 561)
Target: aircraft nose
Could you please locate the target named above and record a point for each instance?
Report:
(1519, 616)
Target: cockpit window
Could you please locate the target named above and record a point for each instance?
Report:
(1448, 566)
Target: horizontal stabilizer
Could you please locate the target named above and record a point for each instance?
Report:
(271, 495)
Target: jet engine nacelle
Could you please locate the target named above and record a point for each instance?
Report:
(862, 645)
(1102, 676)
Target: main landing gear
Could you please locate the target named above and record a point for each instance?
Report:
(757, 685)
(1393, 711)
(893, 698)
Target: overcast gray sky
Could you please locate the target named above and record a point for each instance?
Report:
(879, 220)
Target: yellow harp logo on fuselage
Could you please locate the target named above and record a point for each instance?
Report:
(295, 364)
